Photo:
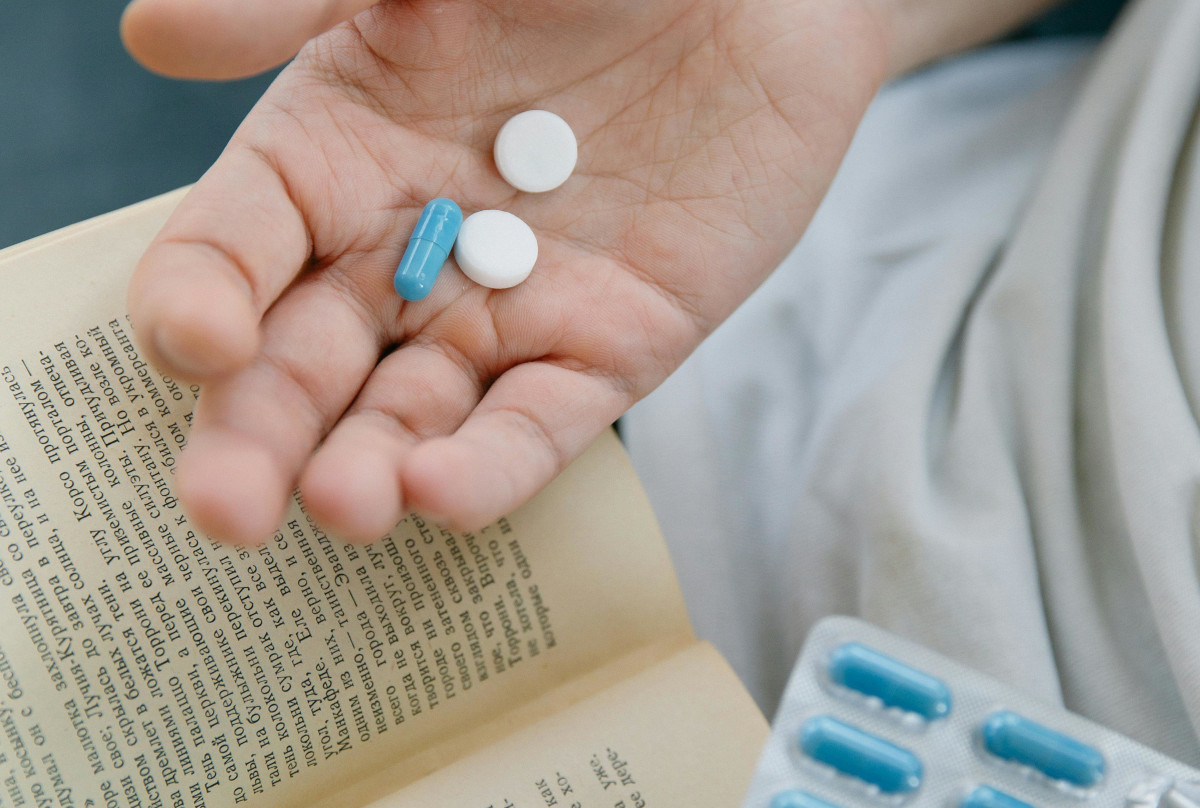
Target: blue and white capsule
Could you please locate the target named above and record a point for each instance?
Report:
(428, 248)
(1013, 737)
(897, 685)
(890, 768)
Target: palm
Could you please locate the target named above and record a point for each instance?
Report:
(708, 132)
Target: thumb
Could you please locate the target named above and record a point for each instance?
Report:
(226, 39)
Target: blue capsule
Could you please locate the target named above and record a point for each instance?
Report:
(855, 753)
(988, 797)
(895, 684)
(428, 248)
(795, 798)
(1013, 737)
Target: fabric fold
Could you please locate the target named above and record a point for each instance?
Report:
(973, 419)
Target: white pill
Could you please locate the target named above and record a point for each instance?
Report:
(536, 151)
(495, 249)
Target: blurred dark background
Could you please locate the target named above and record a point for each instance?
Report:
(84, 130)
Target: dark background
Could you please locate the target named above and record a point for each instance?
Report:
(84, 130)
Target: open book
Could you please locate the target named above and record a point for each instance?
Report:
(544, 661)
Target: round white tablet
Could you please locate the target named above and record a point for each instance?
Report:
(535, 151)
(495, 249)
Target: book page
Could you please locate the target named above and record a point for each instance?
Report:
(683, 733)
(141, 665)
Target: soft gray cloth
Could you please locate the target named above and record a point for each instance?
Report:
(964, 409)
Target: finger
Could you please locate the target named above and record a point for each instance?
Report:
(226, 39)
(198, 293)
(253, 432)
(352, 484)
(534, 420)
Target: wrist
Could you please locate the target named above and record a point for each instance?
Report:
(916, 32)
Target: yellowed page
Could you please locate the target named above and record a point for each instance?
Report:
(683, 733)
(141, 665)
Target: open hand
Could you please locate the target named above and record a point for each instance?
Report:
(708, 132)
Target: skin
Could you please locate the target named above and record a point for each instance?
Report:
(708, 132)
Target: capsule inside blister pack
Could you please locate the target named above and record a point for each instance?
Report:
(860, 755)
(1041, 751)
(886, 683)
(877, 683)
(869, 720)
(988, 797)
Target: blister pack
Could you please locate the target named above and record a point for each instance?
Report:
(869, 720)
